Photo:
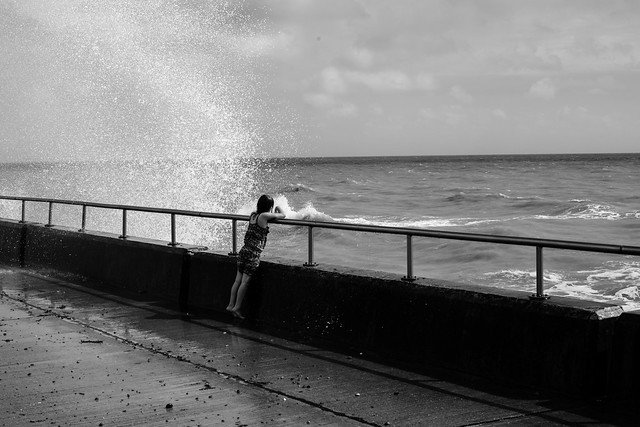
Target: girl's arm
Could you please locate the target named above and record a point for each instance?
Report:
(265, 217)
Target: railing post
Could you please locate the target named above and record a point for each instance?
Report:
(124, 224)
(49, 224)
(234, 237)
(173, 230)
(539, 295)
(409, 277)
(24, 205)
(84, 219)
(310, 262)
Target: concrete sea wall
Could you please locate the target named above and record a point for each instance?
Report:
(575, 346)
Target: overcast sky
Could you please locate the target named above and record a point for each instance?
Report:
(461, 77)
(328, 77)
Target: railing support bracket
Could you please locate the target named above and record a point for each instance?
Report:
(50, 223)
(124, 225)
(310, 262)
(542, 297)
(539, 295)
(173, 231)
(409, 277)
(234, 238)
(84, 219)
(24, 208)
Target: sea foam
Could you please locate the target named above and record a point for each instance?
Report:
(297, 187)
(596, 285)
(424, 223)
(587, 211)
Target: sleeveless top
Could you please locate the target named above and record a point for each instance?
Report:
(256, 236)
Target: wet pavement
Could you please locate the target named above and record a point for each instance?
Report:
(72, 354)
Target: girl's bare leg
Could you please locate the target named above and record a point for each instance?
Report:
(234, 291)
(240, 296)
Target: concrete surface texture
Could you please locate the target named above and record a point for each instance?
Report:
(71, 354)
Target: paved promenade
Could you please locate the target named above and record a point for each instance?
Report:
(75, 355)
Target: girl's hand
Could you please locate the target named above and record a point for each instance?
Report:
(278, 210)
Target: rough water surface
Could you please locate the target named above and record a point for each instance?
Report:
(589, 198)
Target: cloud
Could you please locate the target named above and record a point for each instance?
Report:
(337, 81)
(344, 109)
(376, 109)
(493, 37)
(426, 81)
(319, 100)
(585, 118)
(461, 95)
(449, 114)
(361, 57)
(330, 104)
(499, 113)
(578, 112)
(542, 89)
(596, 91)
(603, 85)
(332, 80)
(389, 80)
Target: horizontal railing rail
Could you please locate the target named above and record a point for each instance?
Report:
(538, 243)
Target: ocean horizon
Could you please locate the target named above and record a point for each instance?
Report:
(415, 157)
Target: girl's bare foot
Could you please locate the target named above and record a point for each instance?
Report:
(229, 308)
(238, 314)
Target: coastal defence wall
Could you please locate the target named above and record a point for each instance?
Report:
(575, 346)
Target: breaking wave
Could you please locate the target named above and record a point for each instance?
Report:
(298, 187)
(308, 212)
(587, 210)
(427, 222)
(616, 282)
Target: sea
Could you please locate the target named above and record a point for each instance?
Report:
(576, 197)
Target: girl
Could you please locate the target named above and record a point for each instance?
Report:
(255, 240)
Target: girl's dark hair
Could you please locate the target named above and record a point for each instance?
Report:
(265, 203)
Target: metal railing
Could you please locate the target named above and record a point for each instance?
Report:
(538, 244)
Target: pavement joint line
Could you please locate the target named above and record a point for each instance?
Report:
(11, 319)
(520, 417)
(145, 306)
(216, 371)
(523, 417)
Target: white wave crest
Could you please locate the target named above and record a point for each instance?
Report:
(629, 293)
(587, 211)
(595, 285)
(615, 272)
(298, 187)
(577, 290)
(506, 196)
(308, 212)
(429, 222)
(516, 277)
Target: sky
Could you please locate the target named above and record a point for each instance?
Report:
(318, 78)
